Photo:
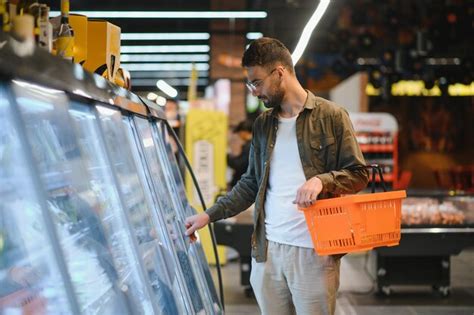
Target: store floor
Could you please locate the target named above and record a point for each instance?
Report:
(356, 295)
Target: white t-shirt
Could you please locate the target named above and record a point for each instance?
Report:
(284, 223)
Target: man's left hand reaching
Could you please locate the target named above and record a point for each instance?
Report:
(308, 193)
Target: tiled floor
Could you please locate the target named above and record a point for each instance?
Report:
(356, 295)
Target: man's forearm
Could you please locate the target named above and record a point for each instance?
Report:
(240, 198)
(344, 181)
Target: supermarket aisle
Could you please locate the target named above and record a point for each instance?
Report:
(356, 292)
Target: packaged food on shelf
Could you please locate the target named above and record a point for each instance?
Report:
(416, 211)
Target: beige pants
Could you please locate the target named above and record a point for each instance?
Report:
(295, 280)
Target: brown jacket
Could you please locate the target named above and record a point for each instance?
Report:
(328, 149)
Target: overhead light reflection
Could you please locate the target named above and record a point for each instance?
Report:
(308, 30)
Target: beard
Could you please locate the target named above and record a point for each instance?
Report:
(273, 100)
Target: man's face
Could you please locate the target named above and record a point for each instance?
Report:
(266, 85)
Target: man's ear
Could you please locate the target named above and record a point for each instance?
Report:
(281, 71)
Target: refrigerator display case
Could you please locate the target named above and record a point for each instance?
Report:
(89, 223)
(172, 219)
(435, 226)
(168, 150)
(31, 267)
(78, 200)
(157, 266)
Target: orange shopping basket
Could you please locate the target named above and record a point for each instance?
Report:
(357, 222)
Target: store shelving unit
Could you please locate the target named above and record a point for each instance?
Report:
(377, 135)
(430, 236)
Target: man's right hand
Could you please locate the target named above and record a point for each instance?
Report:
(196, 222)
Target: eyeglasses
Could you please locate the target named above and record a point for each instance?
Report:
(253, 86)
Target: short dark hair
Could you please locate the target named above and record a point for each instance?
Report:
(266, 52)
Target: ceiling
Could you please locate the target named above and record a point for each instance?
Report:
(349, 30)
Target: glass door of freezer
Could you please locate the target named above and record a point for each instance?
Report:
(157, 262)
(172, 221)
(81, 197)
(30, 278)
(168, 149)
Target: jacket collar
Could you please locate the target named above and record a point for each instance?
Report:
(311, 103)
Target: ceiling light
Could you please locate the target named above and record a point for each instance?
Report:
(175, 82)
(164, 48)
(165, 36)
(165, 74)
(160, 100)
(162, 57)
(167, 89)
(164, 66)
(170, 14)
(308, 30)
(151, 96)
(254, 35)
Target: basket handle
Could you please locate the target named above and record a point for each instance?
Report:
(376, 169)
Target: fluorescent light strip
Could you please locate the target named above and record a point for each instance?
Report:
(254, 35)
(166, 88)
(151, 96)
(171, 14)
(165, 36)
(165, 49)
(174, 82)
(165, 74)
(169, 58)
(160, 100)
(308, 30)
(164, 66)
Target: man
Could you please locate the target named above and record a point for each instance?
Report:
(302, 149)
(239, 163)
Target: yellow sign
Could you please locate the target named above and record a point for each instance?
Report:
(206, 147)
(461, 89)
(414, 88)
(417, 88)
(192, 88)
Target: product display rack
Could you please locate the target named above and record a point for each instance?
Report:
(377, 135)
